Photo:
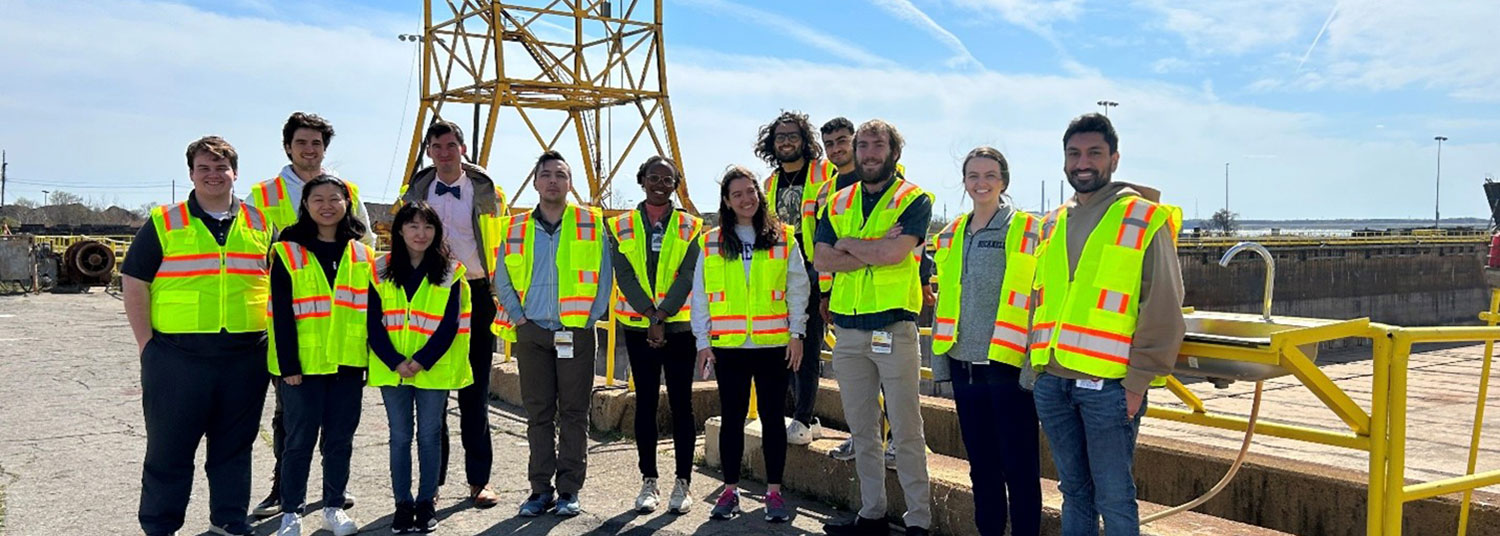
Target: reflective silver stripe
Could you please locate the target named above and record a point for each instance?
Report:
(393, 318)
(253, 218)
(719, 325)
(622, 306)
(944, 328)
(626, 229)
(945, 239)
(1010, 336)
(1072, 339)
(175, 216)
(1040, 337)
(170, 265)
(1029, 240)
(347, 297)
(711, 242)
(574, 306)
(1110, 300)
(1017, 299)
(273, 194)
(772, 325)
(248, 264)
(465, 322)
(312, 306)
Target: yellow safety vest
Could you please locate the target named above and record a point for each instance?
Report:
(630, 232)
(874, 288)
(1008, 340)
(330, 319)
(580, 249)
(270, 197)
(740, 307)
(814, 196)
(411, 323)
(202, 287)
(1088, 322)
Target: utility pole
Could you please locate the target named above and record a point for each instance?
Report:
(3, 164)
(1044, 197)
(1226, 187)
(1437, 188)
(174, 190)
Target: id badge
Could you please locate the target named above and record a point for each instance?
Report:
(1092, 385)
(880, 342)
(563, 340)
(656, 241)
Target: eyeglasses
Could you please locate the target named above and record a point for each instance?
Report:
(793, 136)
(659, 179)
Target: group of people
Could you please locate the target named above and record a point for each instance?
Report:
(1057, 331)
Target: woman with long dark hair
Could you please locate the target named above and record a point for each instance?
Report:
(750, 297)
(419, 331)
(985, 263)
(319, 273)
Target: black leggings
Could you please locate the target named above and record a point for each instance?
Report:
(647, 365)
(734, 368)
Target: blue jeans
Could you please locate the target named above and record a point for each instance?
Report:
(998, 422)
(429, 405)
(1093, 447)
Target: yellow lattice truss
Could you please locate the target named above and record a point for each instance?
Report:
(614, 59)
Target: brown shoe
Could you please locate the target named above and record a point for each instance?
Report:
(483, 496)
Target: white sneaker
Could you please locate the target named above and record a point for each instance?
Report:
(337, 521)
(646, 502)
(680, 502)
(291, 525)
(844, 452)
(890, 455)
(798, 433)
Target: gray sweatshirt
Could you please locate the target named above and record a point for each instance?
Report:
(798, 288)
(1159, 327)
(983, 274)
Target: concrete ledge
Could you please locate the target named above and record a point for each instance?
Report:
(613, 408)
(811, 471)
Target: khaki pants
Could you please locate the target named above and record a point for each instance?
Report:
(555, 393)
(862, 374)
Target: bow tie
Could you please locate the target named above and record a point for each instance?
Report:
(450, 190)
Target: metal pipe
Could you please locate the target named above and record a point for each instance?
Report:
(1270, 271)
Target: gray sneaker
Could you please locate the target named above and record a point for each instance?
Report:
(536, 504)
(844, 452)
(728, 505)
(680, 501)
(649, 497)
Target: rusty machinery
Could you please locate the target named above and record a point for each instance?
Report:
(612, 57)
(29, 262)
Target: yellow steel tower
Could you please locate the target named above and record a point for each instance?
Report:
(563, 62)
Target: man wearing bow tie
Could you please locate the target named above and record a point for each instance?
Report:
(471, 207)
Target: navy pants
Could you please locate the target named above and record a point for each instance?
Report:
(189, 397)
(999, 426)
(329, 403)
(474, 400)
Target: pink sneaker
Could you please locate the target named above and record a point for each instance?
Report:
(776, 508)
(728, 505)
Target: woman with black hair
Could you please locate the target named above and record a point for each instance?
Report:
(750, 297)
(419, 331)
(320, 273)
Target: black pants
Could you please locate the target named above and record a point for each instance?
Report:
(647, 366)
(474, 400)
(999, 426)
(330, 402)
(187, 397)
(735, 368)
(804, 382)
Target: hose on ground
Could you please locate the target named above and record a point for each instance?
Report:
(1228, 476)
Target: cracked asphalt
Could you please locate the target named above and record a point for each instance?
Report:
(72, 440)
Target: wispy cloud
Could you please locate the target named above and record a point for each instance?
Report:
(909, 12)
(812, 36)
(1331, 13)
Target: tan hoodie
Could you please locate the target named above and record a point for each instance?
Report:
(1159, 327)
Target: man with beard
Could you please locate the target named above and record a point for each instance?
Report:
(866, 238)
(1106, 327)
(796, 188)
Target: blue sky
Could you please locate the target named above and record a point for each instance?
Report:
(1322, 109)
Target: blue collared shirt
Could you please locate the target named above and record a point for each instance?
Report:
(542, 307)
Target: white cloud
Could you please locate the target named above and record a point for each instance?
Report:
(1234, 28)
(812, 36)
(909, 12)
(1029, 14)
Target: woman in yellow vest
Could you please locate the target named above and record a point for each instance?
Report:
(419, 336)
(750, 297)
(985, 261)
(320, 277)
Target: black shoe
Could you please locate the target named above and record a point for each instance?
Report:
(916, 531)
(268, 507)
(405, 519)
(348, 501)
(858, 526)
(426, 517)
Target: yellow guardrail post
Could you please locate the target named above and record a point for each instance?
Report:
(1380, 351)
(1395, 477)
(1484, 389)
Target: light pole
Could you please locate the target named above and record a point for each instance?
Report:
(1437, 187)
(1226, 187)
(1107, 104)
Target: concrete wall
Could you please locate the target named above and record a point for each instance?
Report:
(1408, 285)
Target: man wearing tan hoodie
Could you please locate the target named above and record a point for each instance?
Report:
(1106, 325)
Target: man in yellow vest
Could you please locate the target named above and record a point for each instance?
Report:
(1106, 325)
(196, 283)
(554, 286)
(866, 238)
(472, 207)
(799, 180)
(305, 139)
